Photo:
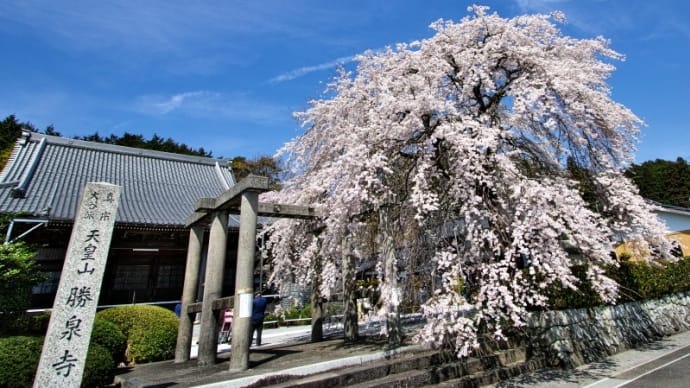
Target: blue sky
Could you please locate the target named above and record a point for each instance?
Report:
(227, 75)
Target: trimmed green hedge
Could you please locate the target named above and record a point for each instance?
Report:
(109, 335)
(100, 367)
(637, 281)
(19, 357)
(151, 331)
(293, 312)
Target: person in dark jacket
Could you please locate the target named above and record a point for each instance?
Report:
(258, 313)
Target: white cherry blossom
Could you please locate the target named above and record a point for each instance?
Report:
(463, 140)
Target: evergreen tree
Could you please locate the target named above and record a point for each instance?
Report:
(262, 165)
(663, 181)
(10, 130)
(155, 143)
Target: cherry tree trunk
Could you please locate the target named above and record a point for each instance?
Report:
(350, 324)
(317, 313)
(390, 273)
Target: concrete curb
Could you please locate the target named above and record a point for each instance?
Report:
(325, 366)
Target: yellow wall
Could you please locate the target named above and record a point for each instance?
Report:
(683, 237)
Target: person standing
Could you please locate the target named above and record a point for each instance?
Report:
(258, 313)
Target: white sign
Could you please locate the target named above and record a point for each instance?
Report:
(245, 305)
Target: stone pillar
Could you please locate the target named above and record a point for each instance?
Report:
(66, 345)
(191, 278)
(244, 282)
(213, 286)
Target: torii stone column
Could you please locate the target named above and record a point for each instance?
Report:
(244, 282)
(213, 287)
(191, 279)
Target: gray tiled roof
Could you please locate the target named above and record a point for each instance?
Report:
(47, 173)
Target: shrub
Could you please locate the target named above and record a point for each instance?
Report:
(565, 298)
(296, 311)
(637, 280)
(151, 331)
(153, 343)
(19, 357)
(18, 272)
(99, 368)
(640, 280)
(109, 335)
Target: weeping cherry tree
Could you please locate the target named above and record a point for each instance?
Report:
(456, 152)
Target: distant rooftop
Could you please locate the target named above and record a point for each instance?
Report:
(45, 175)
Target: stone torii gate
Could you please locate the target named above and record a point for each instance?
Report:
(242, 199)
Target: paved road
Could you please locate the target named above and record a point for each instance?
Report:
(674, 371)
(664, 363)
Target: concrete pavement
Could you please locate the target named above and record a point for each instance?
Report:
(284, 350)
(280, 335)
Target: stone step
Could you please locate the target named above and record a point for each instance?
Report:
(492, 376)
(512, 356)
(409, 378)
(409, 370)
(453, 370)
(349, 376)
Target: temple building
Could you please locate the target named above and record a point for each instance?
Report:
(40, 187)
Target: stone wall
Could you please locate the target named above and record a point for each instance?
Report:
(573, 337)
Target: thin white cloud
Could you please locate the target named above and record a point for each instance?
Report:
(572, 10)
(302, 71)
(161, 25)
(177, 100)
(679, 27)
(539, 5)
(596, 17)
(213, 105)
